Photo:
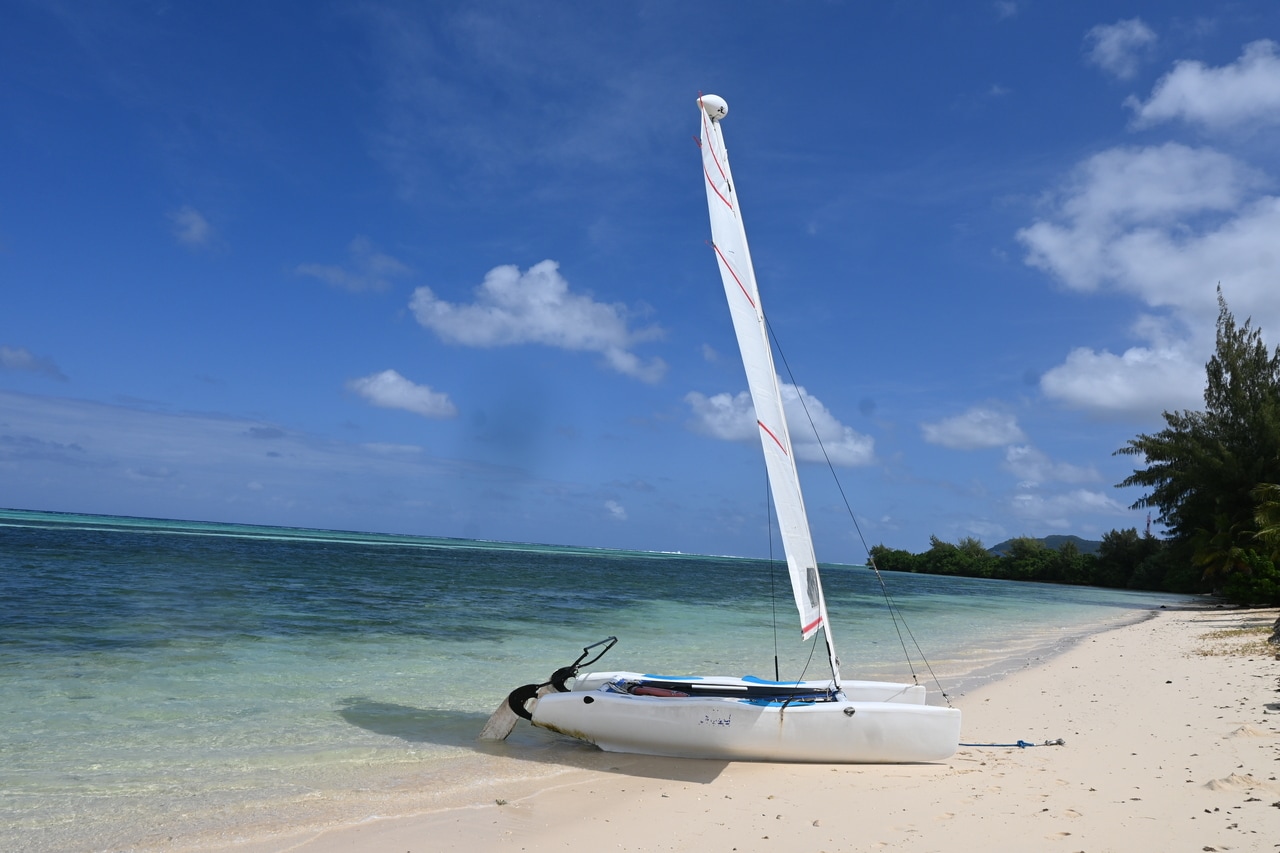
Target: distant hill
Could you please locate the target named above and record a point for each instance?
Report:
(1053, 543)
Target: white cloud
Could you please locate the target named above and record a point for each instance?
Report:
(1119, 201)
(1165, 224)
(1244, 92)
(537, 307)
(1119, 48)
(732, 418)
(390, 390)
(1057, 511)
(979, 427)
(725, 416)
(986, 530)
(19, 358)
(1140, 380)
(191, 228)
(1033, 467)
(370, 269)
(616, 510)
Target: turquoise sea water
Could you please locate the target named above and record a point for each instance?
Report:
(165, 683)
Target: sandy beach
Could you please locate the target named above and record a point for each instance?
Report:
(1171, 731)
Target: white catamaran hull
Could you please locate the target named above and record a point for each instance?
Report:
(734, 729)
(744, 719)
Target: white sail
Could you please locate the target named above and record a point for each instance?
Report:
(729, 239)
(730, 718)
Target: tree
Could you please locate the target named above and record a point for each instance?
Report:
(1120, 555)
(892, 559)
(968, 558)
(1266, 516)
(1026, 560)
(1259, 583)
(978, 562)
(1167, 569)
(1203, 466)
(1218, 551)
(1068, 565)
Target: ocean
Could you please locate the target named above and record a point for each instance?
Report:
(165, 683)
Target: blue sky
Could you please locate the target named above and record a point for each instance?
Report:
(443, 268)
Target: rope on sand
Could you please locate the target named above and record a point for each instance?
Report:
(1022, 744)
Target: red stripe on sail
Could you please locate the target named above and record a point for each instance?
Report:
(733, 273)
(811, 626)
(774, 437)
(711, 183)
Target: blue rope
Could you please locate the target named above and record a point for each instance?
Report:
(1022, 744)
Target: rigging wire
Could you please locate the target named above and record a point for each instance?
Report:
(895, 612)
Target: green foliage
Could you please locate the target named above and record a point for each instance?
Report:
(893, 559)
(1218, 551)
(1026, 559)
(1257, 583)
(1120, 555)
(1212, 474)
(968, 559)
(1205, 464)
(1069, 565)
(1169, 569)
(1266, 517)
(1204, 468)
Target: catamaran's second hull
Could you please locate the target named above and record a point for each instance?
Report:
(739, 729)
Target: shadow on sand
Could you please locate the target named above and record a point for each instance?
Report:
(460, 728)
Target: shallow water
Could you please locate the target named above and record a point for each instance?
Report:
(164, 681)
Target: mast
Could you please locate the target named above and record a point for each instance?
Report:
(729, 240)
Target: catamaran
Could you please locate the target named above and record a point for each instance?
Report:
(744, 718)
